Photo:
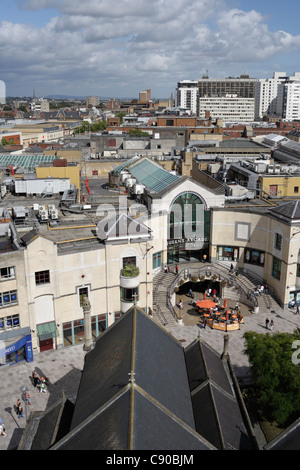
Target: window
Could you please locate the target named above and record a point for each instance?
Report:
(42, 277)
(7, 273)
(278, 241)
(9, 322)
(8, 298)
(129, 260)
(276, 269)
(156, 260)
(296, 189)
(83, 293)
(129, 295)
(255, 257)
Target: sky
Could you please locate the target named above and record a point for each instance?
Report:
(118, 48)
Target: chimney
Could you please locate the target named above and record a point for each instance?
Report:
(87, 325)
(226, 344)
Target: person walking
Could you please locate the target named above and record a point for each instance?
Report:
(2, 428)
(20, 410)
(271, 325)
(267, 323)
(298, 310)
(176, 268)
(27, 399)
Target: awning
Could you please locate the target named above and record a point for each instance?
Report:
(47, 330)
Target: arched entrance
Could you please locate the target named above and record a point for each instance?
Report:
(189, 228)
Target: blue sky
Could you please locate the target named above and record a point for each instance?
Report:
(87, 47)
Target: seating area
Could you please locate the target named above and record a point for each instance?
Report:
(218, 317)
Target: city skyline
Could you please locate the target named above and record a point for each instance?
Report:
(64, 47)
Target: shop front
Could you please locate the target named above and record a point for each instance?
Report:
(189, 229)
(47, 334)
(16, 346)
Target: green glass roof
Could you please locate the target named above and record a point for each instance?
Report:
(25, 161)
(152, 175)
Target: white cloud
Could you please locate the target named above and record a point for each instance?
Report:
(93, 45)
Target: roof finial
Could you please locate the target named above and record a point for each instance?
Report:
(131, 377)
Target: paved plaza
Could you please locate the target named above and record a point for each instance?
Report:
(63, 367)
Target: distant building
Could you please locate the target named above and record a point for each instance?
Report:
(145, 96)
(187, 95)
(228, 108)
(92, 101)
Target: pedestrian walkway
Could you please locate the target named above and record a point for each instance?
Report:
(63, 367)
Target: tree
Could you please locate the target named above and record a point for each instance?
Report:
(275, 374)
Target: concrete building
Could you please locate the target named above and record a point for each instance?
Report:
(243, 86)
(229, 108)
(291, 99)
(268, 98)
(112, 255)
(186, 96)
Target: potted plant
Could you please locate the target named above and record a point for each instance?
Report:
(130, 270)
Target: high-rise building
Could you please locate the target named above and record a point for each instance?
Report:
(268, 99)
(145, 96)
(290, 92)
(187, 95)
(243, 86)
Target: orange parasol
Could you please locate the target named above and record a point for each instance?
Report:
(205, 303)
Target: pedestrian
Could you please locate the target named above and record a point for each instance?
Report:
(262, 287)
(34, 378)
(271, 325)
(204, 323)
(298, 309)
(204, 258)
(176, 268)
(27, 399)
(236, 308)
(2, 428)
(231, 268)
(267, 323)
(180, 304)
(165, 269)
(20, 411)
(191, 293)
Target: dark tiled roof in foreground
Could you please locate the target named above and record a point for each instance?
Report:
(141, 390)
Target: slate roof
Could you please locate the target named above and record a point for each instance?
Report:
(120, 226)
(289, 210)
(217, 414)
(289, 439)
(44, 429)
(141, 390)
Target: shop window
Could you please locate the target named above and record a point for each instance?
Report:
(254, 257)
(278, 241)
(156, 261)
(228, 253)
(276, 269)
(42, 277)
(8, 298)
(7, 273)
(129, 295)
